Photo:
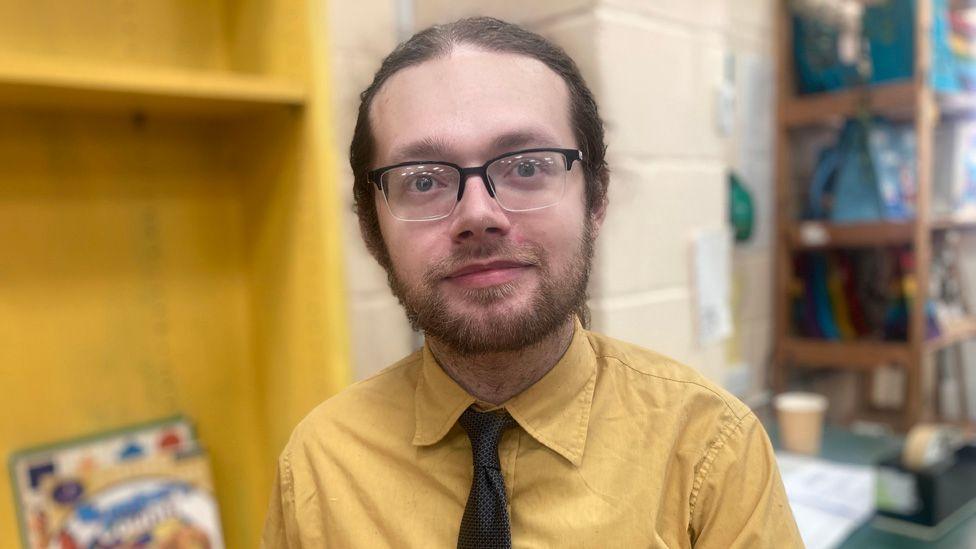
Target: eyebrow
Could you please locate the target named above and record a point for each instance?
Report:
(429, 148)
(435, 148)
(522, 138)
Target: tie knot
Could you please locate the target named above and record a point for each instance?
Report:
(485, 430)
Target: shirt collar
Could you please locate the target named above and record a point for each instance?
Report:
(555, 410)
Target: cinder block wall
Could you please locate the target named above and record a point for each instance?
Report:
(750, 154)
(655, 67)
(363, 32)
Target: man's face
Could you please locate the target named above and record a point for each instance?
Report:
(483, 279)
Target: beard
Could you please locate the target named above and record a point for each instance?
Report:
(498, 327)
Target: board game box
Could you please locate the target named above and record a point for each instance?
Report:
(143, 486)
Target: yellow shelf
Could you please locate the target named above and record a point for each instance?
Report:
(190, 265)
(63, 84)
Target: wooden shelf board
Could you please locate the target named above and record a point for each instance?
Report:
(954, 222)
(958, 332)
(816, 235)
(896, 100)
(861, 355)
(893, 419)
(63, 84)
(957, 104)
(812, 235)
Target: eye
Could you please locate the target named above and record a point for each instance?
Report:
(525, 169)
(423, 183)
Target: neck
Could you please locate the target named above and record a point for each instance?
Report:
(497, 377)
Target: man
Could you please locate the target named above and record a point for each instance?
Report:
(480, 184)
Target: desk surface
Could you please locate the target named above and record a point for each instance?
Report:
(844, 446)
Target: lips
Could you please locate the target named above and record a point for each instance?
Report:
(475, 268)
(481, 275)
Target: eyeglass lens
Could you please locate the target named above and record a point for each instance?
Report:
(521, 181)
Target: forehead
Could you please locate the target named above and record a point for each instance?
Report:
(465, 101)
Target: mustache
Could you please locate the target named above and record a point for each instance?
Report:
(497, 251)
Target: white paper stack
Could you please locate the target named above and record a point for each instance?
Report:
(829, 500)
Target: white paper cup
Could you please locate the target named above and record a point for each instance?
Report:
(800, 417)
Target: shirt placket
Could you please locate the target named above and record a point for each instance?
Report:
(508, 459)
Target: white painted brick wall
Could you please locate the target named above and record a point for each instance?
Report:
(658, 65)
(710, 14)
(530, 13)
(379, 332)
(655, 86)
(655, 208)
(362, 33)
(665, 314)
(750, 38)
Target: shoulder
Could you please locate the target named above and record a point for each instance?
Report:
(694, 414)
(669, 382)
(369, 404)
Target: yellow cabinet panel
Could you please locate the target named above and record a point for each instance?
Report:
(151, 264)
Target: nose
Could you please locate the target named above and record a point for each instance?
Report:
(478, 215)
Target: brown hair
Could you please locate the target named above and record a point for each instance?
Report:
(491, 35)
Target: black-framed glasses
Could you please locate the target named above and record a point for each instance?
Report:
(519, 181)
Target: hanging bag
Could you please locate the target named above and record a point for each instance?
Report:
(844, 187)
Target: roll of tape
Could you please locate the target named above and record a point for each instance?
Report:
(926, 445)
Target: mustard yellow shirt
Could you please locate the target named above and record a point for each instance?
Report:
(615, 447)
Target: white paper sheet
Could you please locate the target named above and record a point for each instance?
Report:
(829, 500)
(711, 255)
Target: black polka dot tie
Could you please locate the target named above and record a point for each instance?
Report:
(485, 522)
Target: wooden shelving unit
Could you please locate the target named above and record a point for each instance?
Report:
(913, 101)
(169, 230)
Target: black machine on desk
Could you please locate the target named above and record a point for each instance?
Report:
(931, 486)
